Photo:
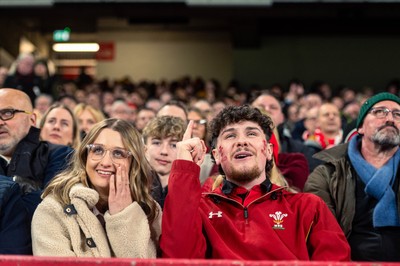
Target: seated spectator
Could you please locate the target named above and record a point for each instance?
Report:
(205, 107)
(43, 102)
(216, 107)
(271, 106)
(246, 217)
(351, 110)
(81, 95)
(44, 81)
(22, 77)
(59, 126)
(328, 131)
(307, 101)
(93, 98)
(30, 162)
(174, 108)
(101, 205)
(360, 181)
(15, 224)
(154, 104)
(292, 115)
(68, 100)
(199, 123)
(310, 122)
(296, 91)
(160, 137)
(107, 99)
(121, 110)
(208, 168)
(87, 116)
(143, 117)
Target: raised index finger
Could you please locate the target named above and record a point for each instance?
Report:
(188, 131)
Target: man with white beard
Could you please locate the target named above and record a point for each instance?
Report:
(360, 181)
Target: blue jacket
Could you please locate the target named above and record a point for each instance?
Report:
(33, 164)
(15, 235)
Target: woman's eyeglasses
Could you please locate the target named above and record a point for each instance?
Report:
(97, 152)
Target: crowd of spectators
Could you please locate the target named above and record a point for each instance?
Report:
(305, 120)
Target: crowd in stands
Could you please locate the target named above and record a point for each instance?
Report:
(145, 169)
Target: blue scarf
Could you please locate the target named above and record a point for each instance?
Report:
(378, 184)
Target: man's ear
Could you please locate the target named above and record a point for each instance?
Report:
(215, 154)
(360, 130)
(33, 119)
(270, 151)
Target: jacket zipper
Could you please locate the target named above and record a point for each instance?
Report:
(245, 208)
(246, 215)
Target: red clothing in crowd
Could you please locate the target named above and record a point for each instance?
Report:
(294, 167)
(265, 223)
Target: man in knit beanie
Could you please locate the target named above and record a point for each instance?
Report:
(360, 181)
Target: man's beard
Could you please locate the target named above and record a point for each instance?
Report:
(387, 136)
(5, 148)
(245, 176)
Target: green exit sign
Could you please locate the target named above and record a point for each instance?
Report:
(61, 35)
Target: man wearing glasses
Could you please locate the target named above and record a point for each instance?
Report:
(360, 181)
(23, 157)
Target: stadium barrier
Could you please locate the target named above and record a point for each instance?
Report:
(8, 260)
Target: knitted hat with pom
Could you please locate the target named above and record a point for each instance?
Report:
(367, 105)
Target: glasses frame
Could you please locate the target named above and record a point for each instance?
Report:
(200, 121)
(90, 146)
(13, 111)
(386, 111)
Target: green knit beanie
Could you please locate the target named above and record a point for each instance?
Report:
(367, 105)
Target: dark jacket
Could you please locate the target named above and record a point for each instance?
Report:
(33, 164)
(157, 191)
(335, 183)
(15, 233)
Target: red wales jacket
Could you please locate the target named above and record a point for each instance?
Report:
(230, 222)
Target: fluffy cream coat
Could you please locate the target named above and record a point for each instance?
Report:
(57, 233)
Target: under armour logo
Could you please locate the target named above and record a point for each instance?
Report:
(218, 214)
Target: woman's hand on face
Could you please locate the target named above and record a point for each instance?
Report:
(120, 195)
(191, 149)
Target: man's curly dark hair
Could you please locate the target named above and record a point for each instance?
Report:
(235, 114)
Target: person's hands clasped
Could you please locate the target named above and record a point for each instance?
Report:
(191, 149)
(120, 195)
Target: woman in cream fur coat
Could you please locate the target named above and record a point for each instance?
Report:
(101, 205)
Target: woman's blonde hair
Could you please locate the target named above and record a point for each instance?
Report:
(76, 139)
(140, 178)
(96, 113)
